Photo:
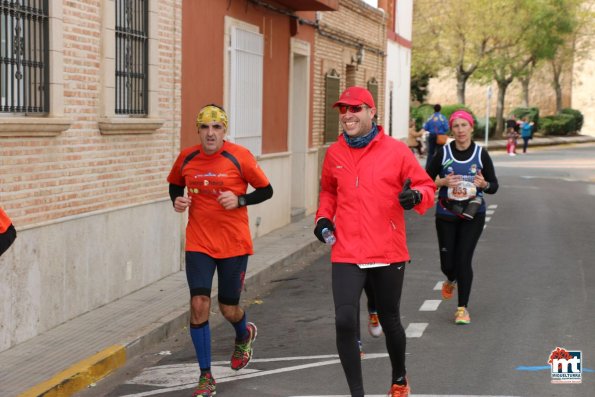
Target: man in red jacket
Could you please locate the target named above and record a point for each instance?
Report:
(368, 180)
(7, 232)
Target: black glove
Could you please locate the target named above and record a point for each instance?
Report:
(409, 198)
(321, 224)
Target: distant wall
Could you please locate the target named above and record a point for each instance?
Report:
(583, 91)
(443, 90)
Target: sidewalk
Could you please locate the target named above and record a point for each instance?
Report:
(81, 351)
(500, 144)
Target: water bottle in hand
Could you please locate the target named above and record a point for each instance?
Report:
(328, 236)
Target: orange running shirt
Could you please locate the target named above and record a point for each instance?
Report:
(5, 221)
(212, 229)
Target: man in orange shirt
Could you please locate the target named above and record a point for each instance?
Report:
(216, 175)
(7, 232)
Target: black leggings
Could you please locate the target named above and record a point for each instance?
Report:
(525, 144)
(457, 240)
(387, 282)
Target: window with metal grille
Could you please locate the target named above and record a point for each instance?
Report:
(332, 85)
(132, 57)
(24, 56)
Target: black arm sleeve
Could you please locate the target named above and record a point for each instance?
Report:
(7, 238)
(488, 172)
(175, 191)
(435, 164)
(259, 195)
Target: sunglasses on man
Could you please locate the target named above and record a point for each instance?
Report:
(352, 108)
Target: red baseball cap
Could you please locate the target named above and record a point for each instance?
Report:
(356, 96)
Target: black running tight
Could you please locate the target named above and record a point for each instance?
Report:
(348, 283)
(457, 240)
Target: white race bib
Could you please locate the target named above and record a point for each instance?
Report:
(464, 190)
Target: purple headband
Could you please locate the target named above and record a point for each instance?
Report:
(461, 114)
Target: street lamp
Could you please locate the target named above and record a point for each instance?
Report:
(487, 133)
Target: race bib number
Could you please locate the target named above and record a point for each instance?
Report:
(464, 190)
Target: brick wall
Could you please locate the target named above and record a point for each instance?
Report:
(356, 23)
(44, 179)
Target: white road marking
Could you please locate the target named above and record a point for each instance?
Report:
(493, 206)
(415, 330)
(591, 189)
(221, 374)
(430, 305)
(488, 218)
(490, 212)
(438, 286)
(412, 395)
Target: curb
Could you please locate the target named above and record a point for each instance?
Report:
(497, 145)
(96, 367)
(81, 374)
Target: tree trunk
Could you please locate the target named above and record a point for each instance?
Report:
(525, 82)
(557, 72)
(558, 98)
(502, 86)
(461, 84)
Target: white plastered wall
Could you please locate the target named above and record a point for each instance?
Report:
(55, 272)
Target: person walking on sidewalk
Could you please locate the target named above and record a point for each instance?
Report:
(463, 172)
(368, 180)
(7, 232)
(414, 138)
(216, 174)
(512, 134)
(435, 125)
(526, 132)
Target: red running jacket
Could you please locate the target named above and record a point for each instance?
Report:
(359, 192)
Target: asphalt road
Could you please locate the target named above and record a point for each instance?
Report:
(533, 291)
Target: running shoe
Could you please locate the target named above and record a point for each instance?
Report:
(462, 316)
(242, 352)
(207, 387)
(448, 288)
(374, 327)
(399, 391)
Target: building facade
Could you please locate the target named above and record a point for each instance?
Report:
(89, 127)
(350, 49)
(398, 66)
(254, 58)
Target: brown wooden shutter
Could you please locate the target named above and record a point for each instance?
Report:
(332, 86)
(373, 88)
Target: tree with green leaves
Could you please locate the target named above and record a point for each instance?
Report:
(494, 40)
(575, 32)
(535, 33)
(452, 34)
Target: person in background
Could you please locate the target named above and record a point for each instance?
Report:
(526, 132)
(374, 327)
(7, 232)
(512, 134)
(368, 181)
(216, 174)
(464, 173)
(435, 125)
(414, 138)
